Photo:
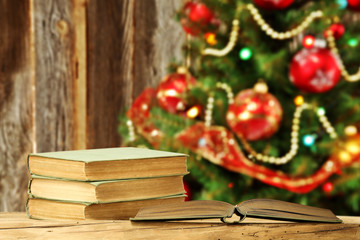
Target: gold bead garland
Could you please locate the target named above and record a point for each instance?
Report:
(210, 102)
(294, 140)
(228, 91)
(331, 42)
(282, 35)
(208, 111)
(130, 126)
(265, 27)
(230, 45)
(325, 122)
(294, 137)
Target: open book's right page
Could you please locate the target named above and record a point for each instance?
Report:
(269, 208)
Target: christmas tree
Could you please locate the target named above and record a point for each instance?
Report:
(265, 102)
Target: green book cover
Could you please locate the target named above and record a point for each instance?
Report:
(107, 163)
(108, 154)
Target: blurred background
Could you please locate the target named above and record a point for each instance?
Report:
(262, 94)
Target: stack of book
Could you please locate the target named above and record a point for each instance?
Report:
(111, 183)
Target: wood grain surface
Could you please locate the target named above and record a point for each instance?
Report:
(17, 225)
(54, 74)
(16, 120)
(130, 44)
(110, 61)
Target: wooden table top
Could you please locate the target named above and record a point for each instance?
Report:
(18, 225)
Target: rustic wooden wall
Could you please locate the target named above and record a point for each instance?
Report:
(15, 102)
(130, 44)
(54, 74)
(67, 70)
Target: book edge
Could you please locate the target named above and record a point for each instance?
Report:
(105, 180)
(102, 202)
(48, 155)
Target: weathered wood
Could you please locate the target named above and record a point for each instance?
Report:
(110, 33)
(17, 225)
(80, 82)
(130, 44)
(54, 74)
(15, 102)
(158, 41)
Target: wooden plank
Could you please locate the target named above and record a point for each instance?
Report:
(110, 60)
(158, 40)
(16, 122)
(16, 225)
(80, 62)
(130, 44)
(54, 74)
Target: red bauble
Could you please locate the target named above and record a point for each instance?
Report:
(254, 115)
(273, 4)
(328, 187)
(171, 91)
(197, 17)
(337, 30)
(187, 191)
(314, 70)
(354, 4)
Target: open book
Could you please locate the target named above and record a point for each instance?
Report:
(259, 208)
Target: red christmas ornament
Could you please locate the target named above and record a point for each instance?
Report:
(354, 4)
(197, 17)
(254, 115)
(187, 191)
(314, 70)
(328, 187)
(273, 4)
(337, 30)
(171, 91)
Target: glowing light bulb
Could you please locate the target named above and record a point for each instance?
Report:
(352, 42)
(245, 53)
(350, 130)
(342, 3)
(193, 112)
(308, 140)
(344, 157)
(211, 38)
(352, 147)
(308, 41)
(321, 111)
(299, 100)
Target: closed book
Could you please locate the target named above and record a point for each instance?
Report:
(49, 209)
(105, 191)
(107, 164)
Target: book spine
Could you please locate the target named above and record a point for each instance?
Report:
(27, 208)
(27, 163)
(29, 187)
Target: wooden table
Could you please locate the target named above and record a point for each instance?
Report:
(17, 225)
